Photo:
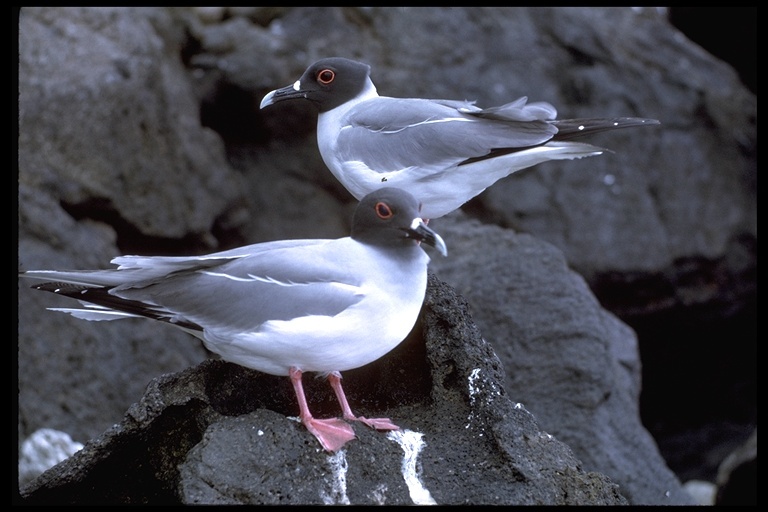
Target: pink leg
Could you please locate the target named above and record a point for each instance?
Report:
(332, 433)
(378, 423)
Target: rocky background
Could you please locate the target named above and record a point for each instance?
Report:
(618, 291)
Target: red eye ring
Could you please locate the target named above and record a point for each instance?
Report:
(383, 211)
(326, 76)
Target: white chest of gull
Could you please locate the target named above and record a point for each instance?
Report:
(283, 307)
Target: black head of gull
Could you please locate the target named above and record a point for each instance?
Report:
(387, 219)
(327, 84)
(283, 307)
(444, 152)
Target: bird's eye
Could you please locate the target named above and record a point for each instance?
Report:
(326, 76)
(383, 210)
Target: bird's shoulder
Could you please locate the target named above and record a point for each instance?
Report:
(300, 261)
(392, 113)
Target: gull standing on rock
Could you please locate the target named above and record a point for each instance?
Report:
(284, 307)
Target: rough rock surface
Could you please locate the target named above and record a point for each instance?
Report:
(566, 358)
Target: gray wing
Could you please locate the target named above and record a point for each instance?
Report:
(243, 293)
(390, 134)
(137, 271)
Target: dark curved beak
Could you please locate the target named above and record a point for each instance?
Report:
(288, 92)
(419, 231)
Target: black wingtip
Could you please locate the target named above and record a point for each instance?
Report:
(100, 296)
(67, 289)
(573, 128)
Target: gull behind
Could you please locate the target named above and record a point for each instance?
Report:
(444, 152)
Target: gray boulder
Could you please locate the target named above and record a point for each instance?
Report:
(573, 364)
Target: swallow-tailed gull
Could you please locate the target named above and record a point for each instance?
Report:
(283, 307)
(444, 152)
